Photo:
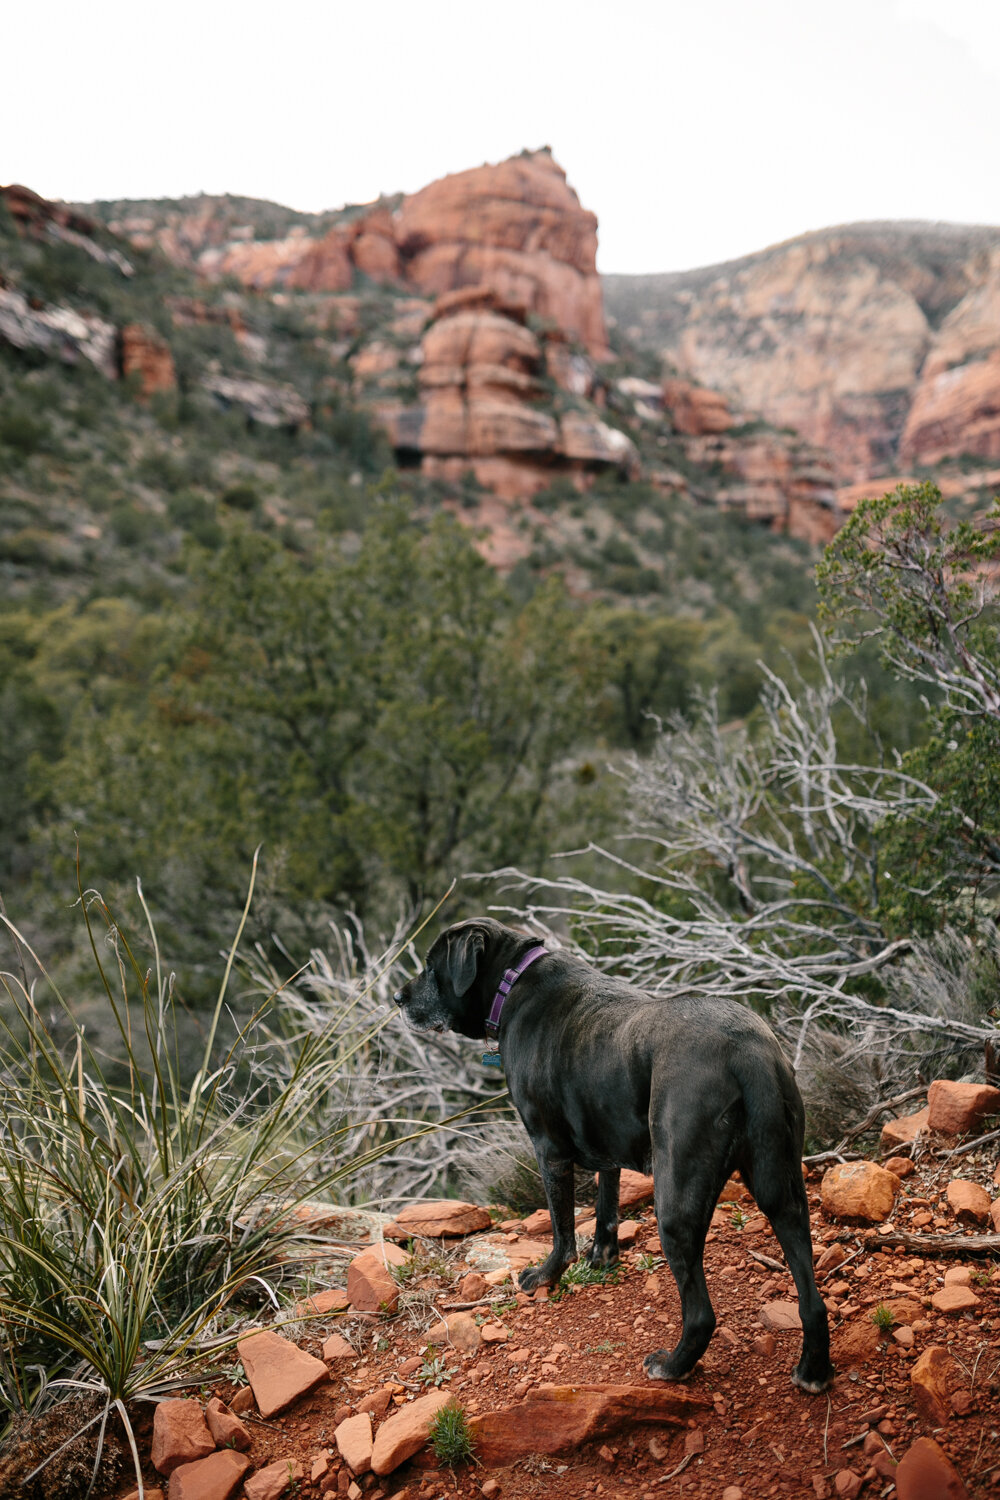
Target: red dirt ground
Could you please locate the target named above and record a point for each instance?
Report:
(760, 1433)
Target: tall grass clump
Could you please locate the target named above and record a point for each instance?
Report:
(141, 1202)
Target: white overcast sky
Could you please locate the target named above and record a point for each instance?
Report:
(697, 130)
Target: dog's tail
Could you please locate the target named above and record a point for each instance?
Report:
(771, 1160)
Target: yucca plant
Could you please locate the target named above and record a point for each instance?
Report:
(136, 1203)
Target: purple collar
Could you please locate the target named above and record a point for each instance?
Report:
(493, 1020)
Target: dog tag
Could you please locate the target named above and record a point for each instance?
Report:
(492, 1060)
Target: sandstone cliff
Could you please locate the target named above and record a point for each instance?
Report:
(875, 341)
(517, 226)
(484, 405)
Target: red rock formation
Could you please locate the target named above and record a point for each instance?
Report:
(261, 264)
(480, 389)
(517, 226)
(324, 266)
(779, 480)
(956, 406)
(373, 246)
(695, 411)
(955, 410)
(871, 340)
(142, 352)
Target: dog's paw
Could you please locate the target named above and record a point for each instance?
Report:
(603, 1255)
(660, 1366)
(813, 1385)
(532, 1277)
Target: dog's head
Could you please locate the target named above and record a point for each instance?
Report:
(449, 994)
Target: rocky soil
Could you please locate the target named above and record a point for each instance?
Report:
(337, 1396)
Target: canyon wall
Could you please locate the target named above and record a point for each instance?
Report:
(879, 342)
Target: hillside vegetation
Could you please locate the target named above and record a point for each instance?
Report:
(217, 633)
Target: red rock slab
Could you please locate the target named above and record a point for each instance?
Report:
(353, 1438)
(401, 1435)
(275, 1480)
(377, 1403)
(903, 1166)
(180, 1434)
(969, 1202)
(900, 1132)
(216, 1477)
(337, 1347)
(225, 1427)
(472, 1287)
(438, 1219)
(371, 1286)
(859, 1190)
(933, 1378)
(633, 1188)
(540, 1222)
(926, 1472)
(780, 1317)
(279, 1371)
(954, 1299)
(955, 1108)
(830, 1258)
(458, 1329)
(555, 1417)
(241, 1400)
(333, 1299)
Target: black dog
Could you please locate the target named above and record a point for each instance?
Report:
(605, 1076)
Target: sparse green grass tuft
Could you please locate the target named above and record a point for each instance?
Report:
(582, 1273)
(450, 1436)
(883, 1317)
(647, 1262)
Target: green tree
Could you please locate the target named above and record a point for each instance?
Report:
(926, 591)
(380, 724)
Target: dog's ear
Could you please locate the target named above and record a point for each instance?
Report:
(465, 949)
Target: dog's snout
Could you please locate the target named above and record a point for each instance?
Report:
(398, 997)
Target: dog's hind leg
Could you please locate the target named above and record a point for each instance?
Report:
(604, 1250)
(771, 1163)
(557, 1178)
(790, 1222)
(687, 1186)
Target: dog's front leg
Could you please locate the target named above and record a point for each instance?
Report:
(604, 1250)
(557, 1178)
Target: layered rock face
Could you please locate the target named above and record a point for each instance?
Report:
(518, 227)
(956, 406)
(480, 387)
(874, 341)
